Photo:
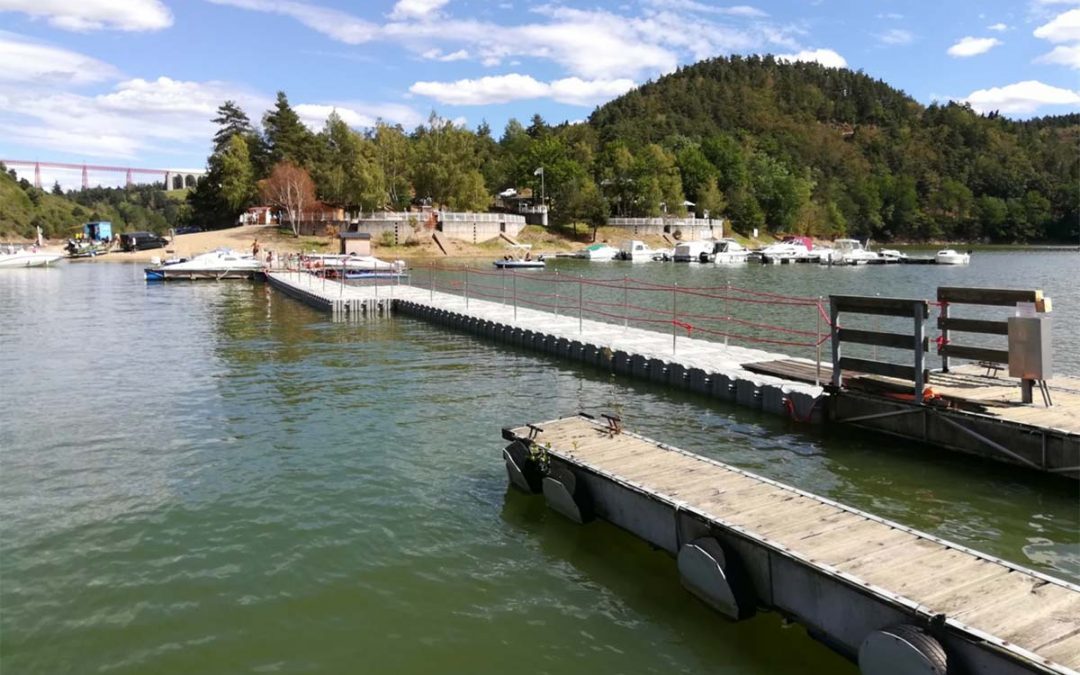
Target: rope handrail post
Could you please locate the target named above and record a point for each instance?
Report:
(625, 304)
(556, 294)
(817, 361)
(466, 286)
(376, 285)
(513, 275)
(580, 303)
(674, 315)
(431, 281)
(502, 280)
(727, 312)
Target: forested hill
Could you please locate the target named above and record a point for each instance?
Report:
(807, 148)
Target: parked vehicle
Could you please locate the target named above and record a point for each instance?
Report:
(141, 241)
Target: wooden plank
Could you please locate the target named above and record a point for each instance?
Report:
(1065, 651)
(974, 353)
(792, 536)
(1036, 619)
(878, 368)
(863, 304)
(845, 553)
(1002, 297)
(973, 325)
(870, 337)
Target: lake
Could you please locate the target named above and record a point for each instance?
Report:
(215, 478)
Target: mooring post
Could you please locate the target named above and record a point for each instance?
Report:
(674, 315)
(580, 302)
(513, 275)
(834, 319)
(376, 284)
(466, 286)
(556, 294)
(920, 319)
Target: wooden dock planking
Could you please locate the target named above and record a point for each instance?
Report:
(975, 592)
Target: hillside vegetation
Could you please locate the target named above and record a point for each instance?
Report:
(140, 207)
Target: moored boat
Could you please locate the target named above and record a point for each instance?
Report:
(691, 251)
(790, 249)
(726, 251)
(218, 264)
(949, 256)
(519, 261)
(11, 257)
(597, 252)
(636, 251)
(847, 252)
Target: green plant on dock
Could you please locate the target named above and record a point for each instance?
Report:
(538, 455)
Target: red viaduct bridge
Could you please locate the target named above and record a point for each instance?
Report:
(174, 179)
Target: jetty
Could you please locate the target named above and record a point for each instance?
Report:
(895, 600)
(684, 338)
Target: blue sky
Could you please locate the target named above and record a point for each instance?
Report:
(134, 82)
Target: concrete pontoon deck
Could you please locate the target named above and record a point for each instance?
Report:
(867, 587)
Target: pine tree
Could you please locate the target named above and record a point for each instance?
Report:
(287, 137)
(231, 121)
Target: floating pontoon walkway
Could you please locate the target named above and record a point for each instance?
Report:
(896, 600)
(702, 366)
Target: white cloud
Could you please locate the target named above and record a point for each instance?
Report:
(825, 57)
(896, 36)
(999, 27)
(358, 115)
(745, 11)
(438, 55)
(1062, 55)
(1021, 98)
(516, 87)
(416, 9)
(972, 46)
(893, 16)
(1062, 28)
(339, 25)
(34, 63)
(84, 15)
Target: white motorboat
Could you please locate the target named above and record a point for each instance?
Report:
(636, 251)
(349, 263)
(219, 264)
(726, 251)
(848, 252)
(790, 249)
(892, 255)
(13, 257)
(518, 261)
(598, 252)
(949, 256)
(691, 251)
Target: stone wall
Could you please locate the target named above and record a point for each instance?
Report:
(683, 229)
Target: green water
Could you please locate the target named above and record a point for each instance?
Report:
(214, 478)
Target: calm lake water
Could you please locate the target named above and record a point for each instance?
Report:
(214, 478)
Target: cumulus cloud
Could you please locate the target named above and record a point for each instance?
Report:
(1021, 98)
(1062, 55)
(36, 63)
(999, 27)
(341, 26)
(825, 57)
(972, 46)
(896, 36)
(517, 87)
(438, 55)
(416, 9)
(358, 115)
(1062, 28)
(85, 15)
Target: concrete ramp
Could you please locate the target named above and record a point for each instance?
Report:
(507, 238)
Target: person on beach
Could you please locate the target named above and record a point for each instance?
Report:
(255, 247)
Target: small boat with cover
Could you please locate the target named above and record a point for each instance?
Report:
(218, 264)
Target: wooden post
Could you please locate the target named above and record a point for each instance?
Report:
(920, 325)
(432, 281)
(625, 304)
(834, 317)
(580, 302)
(466, 286)
(727, 312)
(513, 275)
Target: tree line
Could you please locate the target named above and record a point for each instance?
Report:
(769, 145)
